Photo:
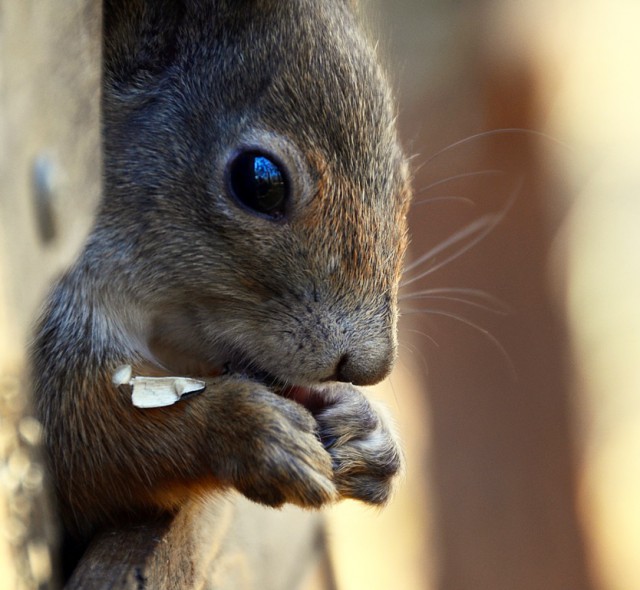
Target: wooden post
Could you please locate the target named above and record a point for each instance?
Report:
(228, 543)
(49, 186)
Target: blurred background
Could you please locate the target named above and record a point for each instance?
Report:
(518, 389)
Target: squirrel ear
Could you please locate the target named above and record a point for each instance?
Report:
(139, 35)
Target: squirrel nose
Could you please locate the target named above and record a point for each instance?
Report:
(366, 368)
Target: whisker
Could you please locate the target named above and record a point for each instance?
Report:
(489, 172)
(416, 352)
(481, 227)
(393, 391)
(463, 300)
(431, 200)
(436, 292)
(420, 333)
(493, 133)
(488, 335)
(462, 290)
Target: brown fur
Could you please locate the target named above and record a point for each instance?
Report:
(177, 279)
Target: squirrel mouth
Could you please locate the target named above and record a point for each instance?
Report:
(172, 361)
(312, 398)
(160, 379)
(155, 389)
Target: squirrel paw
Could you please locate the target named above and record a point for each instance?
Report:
(278, 456)
(365, 453)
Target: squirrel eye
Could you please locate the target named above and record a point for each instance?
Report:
(258, 183)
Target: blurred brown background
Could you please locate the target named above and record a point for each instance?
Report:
(517, 391)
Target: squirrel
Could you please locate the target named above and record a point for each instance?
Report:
(251, 234)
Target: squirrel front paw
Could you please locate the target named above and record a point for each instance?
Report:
(365, 454)
(274, 454)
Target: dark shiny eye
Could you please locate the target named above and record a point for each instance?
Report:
(259, 183)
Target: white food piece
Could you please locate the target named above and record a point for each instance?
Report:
(155, 392)
(122, 375)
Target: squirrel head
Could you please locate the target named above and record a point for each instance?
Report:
(255, 192)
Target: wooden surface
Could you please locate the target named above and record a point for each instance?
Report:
(224, 544)
(49, 185)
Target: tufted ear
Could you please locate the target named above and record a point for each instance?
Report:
(139, 36)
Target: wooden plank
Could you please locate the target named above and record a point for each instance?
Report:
(227, 543)
(49, 185)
